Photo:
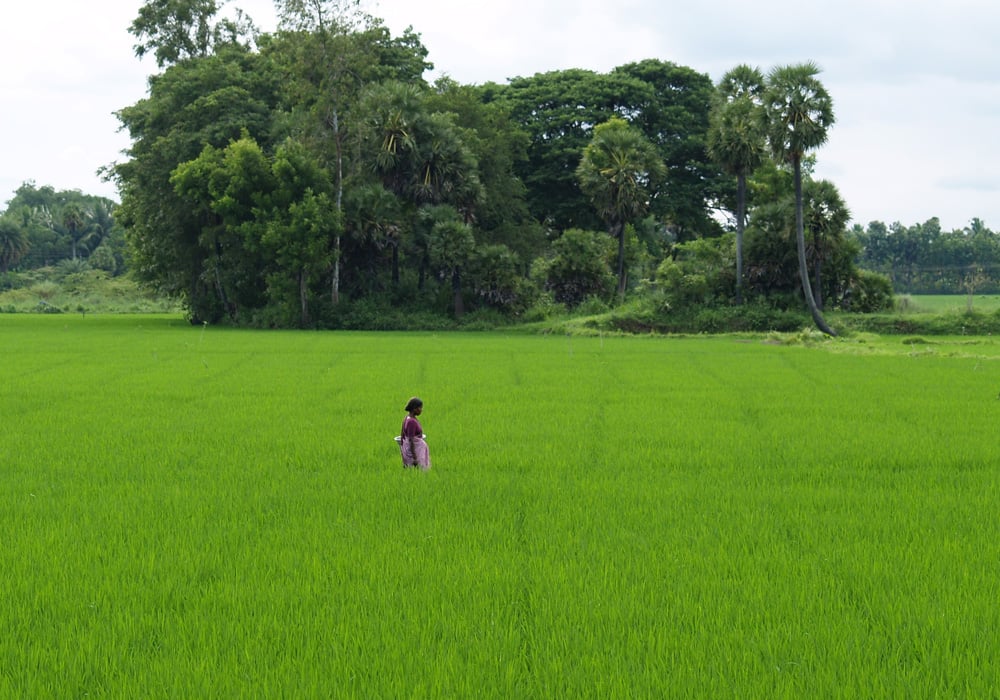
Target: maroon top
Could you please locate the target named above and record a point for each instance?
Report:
(412, 427)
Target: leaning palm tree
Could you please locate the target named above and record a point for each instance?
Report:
(736, 141)
(797, 113)
(619, 171)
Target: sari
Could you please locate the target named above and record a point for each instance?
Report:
(412, 445)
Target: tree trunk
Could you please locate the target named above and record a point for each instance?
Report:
(621, 257)
(800, 240)
(335, 285)
(335, 291)
(741, 208)
(818, 277)
(304, 297)
(456, 288)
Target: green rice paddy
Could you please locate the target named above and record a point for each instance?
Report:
(204, 512)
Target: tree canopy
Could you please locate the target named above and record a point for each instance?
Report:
(291, 178)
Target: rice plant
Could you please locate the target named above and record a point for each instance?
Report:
(204, 512)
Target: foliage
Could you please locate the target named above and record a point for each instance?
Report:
(924, 259)
(700, 273)
(579, 267)
(48, 290)
(370, 151)
(560, 109)
(619, 172)
(42, 226)
(797, 113)
(869, 292)
(736, 141)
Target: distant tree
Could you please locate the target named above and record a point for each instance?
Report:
(825, 218)
(579, 267)
(13, 243)
(499, 146)
(672, 112)
(619, 171)
(558, 110)
(450, 249)
(419, 155)
(798, 113)
(736, 141)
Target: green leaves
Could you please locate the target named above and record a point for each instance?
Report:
(797, 110)
(619, 172)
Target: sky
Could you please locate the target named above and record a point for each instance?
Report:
(915, 84)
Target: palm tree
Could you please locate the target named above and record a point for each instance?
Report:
(797, 113)
(736, 141)
(13, 243)
(73, 218)
(619, 171)
(419, 155)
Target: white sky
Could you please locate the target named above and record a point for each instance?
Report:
(916, 84)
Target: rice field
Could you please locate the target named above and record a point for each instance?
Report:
(948, 303)
(204, 512)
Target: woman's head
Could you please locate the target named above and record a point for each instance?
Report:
(414, 404)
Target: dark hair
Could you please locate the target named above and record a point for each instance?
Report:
(413, 404)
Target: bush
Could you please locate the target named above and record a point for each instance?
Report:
(869, 292)
(579, 268)
(544, 308)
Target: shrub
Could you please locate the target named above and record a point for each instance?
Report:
(869, 292)
(579, 267)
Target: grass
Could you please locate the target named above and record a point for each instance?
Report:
(948, 303)
(204, 512)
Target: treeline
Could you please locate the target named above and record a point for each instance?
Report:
(42, 227)
(312, 177)
(924, 259)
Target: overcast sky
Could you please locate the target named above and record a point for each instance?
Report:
(915, 84)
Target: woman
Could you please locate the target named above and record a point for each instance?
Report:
(411, 438)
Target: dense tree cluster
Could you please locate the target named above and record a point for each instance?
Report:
(44, 227)
(281, 179)
(923, 259)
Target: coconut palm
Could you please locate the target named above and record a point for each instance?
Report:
(619, 171)
(736, 140)
(797, 114)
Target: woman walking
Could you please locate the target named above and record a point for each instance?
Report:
(412, 443)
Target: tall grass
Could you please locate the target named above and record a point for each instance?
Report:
(202, 512)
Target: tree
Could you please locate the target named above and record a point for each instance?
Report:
(199, 102)
(559, 110)
(825, 218)
(619, 171)
(578, 268)
(419, 155)
(672, 111)
(13, 243)
(74, 219)
(330, 51)
(271, 221)
(174, 29)
(797, 113)
(736, 141)
(499, 146)
(450, 249)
